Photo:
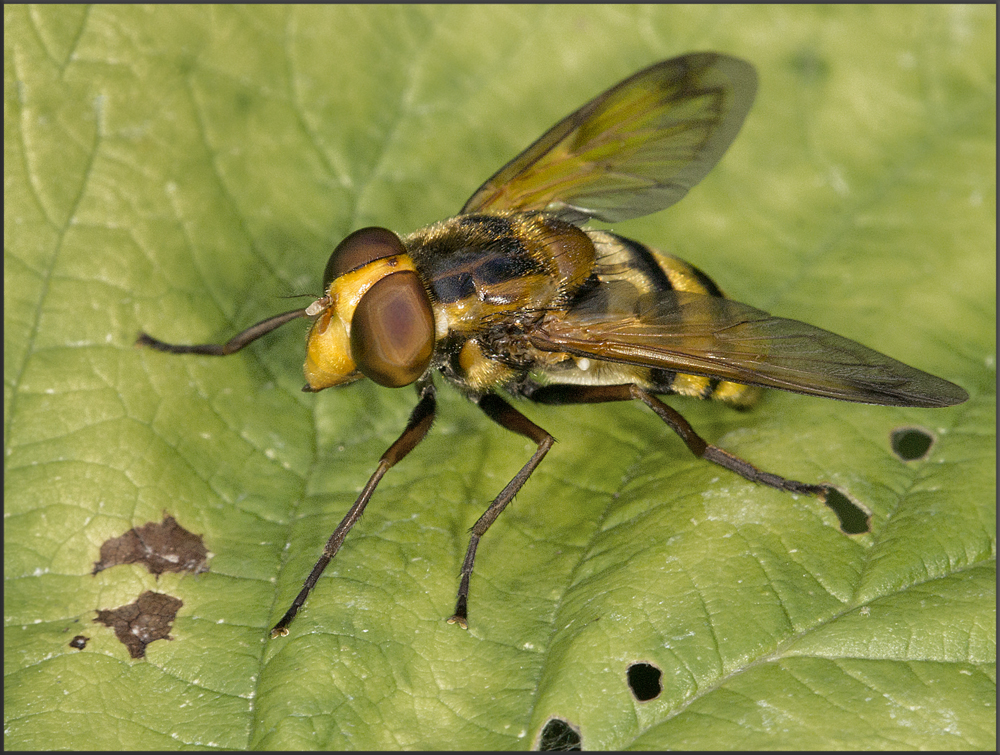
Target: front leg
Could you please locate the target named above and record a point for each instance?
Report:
(417, 427)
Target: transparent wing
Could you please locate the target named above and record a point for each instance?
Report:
(633, 150)
(721, 338)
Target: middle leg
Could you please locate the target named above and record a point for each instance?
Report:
(511, 419)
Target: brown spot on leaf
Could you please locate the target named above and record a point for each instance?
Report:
(145, 621)
(162, 547)
(79, 642)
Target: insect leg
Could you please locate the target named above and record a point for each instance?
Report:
(417, 427)
(231, 346)
(507, 417)
(596, 394)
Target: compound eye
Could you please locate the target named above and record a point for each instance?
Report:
(392, 332)
(360, 248)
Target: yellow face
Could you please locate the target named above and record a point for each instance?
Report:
(329, 361)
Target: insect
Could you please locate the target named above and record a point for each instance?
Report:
(513, 296)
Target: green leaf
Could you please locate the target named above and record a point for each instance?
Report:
(180, 169)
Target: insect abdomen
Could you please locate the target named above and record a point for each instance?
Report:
(621, 260)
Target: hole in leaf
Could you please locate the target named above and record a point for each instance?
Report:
(644, 681)
(911, 443)
(79, 642)
(559, 736)
(854, 520)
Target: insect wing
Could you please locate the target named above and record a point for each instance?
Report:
(720, 338)
(633, 150)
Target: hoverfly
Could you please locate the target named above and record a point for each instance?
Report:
(512, 295)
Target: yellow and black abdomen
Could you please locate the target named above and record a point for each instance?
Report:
(626, 270)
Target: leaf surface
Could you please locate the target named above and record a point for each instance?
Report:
(180, 169)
